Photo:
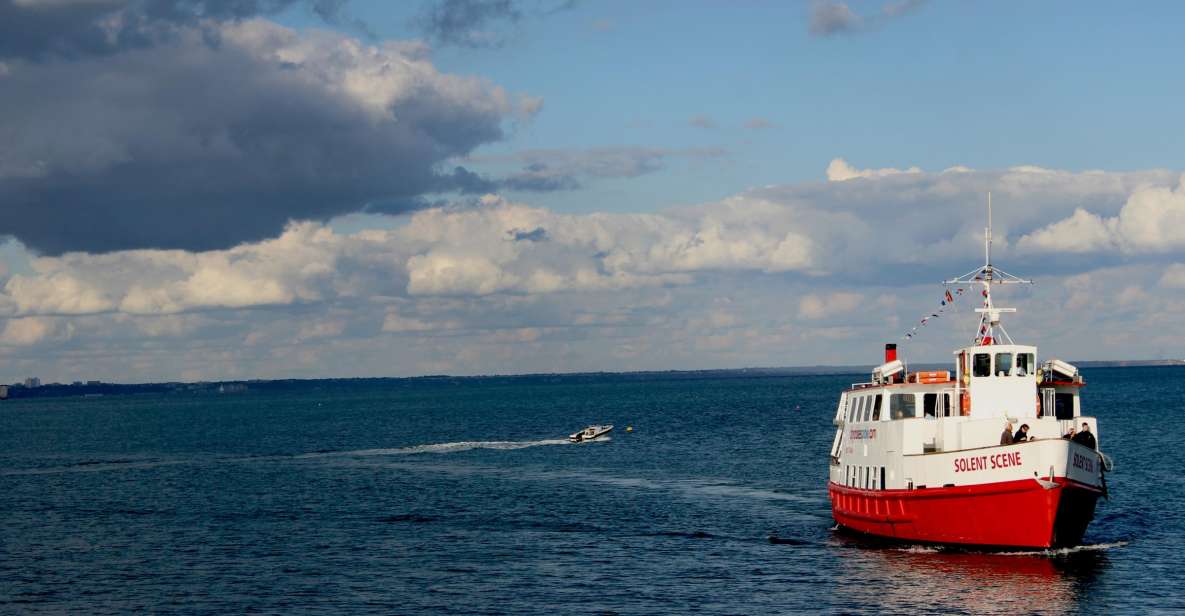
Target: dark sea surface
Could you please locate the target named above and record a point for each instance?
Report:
(461, 496)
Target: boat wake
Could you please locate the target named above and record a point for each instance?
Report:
(436, 448)
(1097, 547)
(1078, 549)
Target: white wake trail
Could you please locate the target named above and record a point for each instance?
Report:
(437, 448)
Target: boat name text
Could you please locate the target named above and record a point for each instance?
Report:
(865, 433)
(979, 463)
(1083, 463)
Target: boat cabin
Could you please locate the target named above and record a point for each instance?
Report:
(1001, 380)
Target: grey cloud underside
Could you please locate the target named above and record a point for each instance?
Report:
(829, 18)
(101, 27)
(200, 143)
(557, 170)
(480, 23)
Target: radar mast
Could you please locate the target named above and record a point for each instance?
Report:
(989, 320)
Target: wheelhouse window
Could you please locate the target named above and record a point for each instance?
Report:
(867, 408)
(876, 408)
(1063, 405)
(930, 405)
(981, 365)
(1003, 364)
(902, 406)
(1025, 364)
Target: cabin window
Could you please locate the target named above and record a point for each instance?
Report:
(882, 477)
(902, 406)
(1003, 364)
(876, 408)
(1024, 364)
(853, 408)
(865, 477)
(867, 408)
(929, 405)
(859, 408)
(1064, 406)
(982, 365)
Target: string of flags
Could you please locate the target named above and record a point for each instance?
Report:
(947, 300)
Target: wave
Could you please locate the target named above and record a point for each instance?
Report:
(436, 448)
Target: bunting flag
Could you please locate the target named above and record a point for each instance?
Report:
(947, 300)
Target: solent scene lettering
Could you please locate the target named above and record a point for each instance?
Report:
(980, 463)
(865, 433)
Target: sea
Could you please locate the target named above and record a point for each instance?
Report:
(463, 496)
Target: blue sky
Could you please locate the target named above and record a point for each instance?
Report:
(215, 190)
(1070, 85)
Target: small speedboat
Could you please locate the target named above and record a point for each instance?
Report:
(590, 433)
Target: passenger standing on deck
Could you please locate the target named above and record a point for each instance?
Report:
(1006, 436)
(1021, 435)
(1085, 437)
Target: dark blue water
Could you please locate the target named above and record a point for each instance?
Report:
(460, 497)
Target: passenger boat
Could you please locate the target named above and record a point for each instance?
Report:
(590, 433)
(920, 456)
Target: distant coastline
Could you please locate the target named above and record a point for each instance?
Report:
(97, 389)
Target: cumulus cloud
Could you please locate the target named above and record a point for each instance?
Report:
(33, 330)
(828, 17)
(201, 145)
(506, 286)
(815, 306)
(840, 170)
(1174, 276)
(1151, 220)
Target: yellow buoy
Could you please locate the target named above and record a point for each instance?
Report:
(629, 428)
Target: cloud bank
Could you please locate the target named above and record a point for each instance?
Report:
(223, 131)
(790, 274)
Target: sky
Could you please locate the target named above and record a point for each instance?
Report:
(233, 189)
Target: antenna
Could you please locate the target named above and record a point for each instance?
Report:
(987, 236)
(988, 275)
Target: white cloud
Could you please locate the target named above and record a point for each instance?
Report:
(1081, 232)
(839, 170)
(1174, 276)
(29, 331)
(814, 306)
(1151, 220)
(508, 287)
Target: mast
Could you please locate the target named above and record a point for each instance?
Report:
(986, 276)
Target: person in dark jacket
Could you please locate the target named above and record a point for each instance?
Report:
(1021, 435)
(1085, 437)
(1006, 436)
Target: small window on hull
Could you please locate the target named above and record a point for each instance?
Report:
(981, 365)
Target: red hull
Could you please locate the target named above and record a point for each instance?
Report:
(1008, 514)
